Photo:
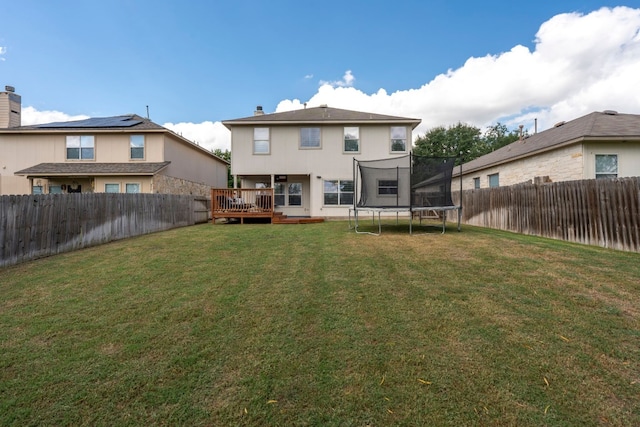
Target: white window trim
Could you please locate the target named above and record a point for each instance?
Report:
(339, 193)
(133, 183)
(254, 140)
(144, 148)
(112, 183)
(318, 147)
(344, 151)
(391, 139)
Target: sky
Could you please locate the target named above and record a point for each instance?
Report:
(189, 65)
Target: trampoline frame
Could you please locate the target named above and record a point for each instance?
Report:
(356, 210)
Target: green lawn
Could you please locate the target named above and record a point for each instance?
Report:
(314, 325)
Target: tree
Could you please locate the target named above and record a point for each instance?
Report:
(497, 136)
(462, 141)
(226, 155)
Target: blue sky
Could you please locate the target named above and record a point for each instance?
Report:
(196, 63)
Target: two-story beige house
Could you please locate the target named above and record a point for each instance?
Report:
(121, 154)
(307, 155)
(599, 145)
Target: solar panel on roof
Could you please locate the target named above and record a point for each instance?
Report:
(96, 122)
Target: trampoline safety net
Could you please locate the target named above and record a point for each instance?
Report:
(409, 181)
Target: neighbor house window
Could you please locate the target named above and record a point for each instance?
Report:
(80, 147)
(112, 188)
(387, 187)
(310, 138)
(338, 192)
(494, 180)
(288, 194)
(136, 144)
(476, 183)
(398, 139)
(37, 189)
(55, 189)
(132, 188)
(351, 139)
(606, 166)
(261, 141)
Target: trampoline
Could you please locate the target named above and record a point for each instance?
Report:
(410, 184)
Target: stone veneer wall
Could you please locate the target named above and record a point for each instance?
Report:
(564, 164)
(169, 185)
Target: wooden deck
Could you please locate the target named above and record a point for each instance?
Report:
(250, 203)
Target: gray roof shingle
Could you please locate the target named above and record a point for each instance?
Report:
(319, 115)
(606, 125)
(94, 169)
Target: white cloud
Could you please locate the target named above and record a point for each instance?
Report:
(347, 81)
(3, 50)
(210, 135)
(580, 63)
(31, 116)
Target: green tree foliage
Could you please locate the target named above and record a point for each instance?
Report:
(226, 155)
(463, 141)
(498, 136)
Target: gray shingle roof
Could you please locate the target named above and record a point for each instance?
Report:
(594, 126)
(94, 169)
(320, 115)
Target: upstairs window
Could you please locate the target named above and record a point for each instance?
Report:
(606, 166)
(80, 147)
(310, 138)
(261, 141)
(398, 139)
(351, 140)
(136, 144)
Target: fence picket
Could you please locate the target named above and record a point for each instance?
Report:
(603, 212)
(33, 226)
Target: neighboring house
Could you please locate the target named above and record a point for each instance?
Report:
(307, 155)
(598, 145)
(121, 154)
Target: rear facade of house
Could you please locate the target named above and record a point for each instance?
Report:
(307, 155)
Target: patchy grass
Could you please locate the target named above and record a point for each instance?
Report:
(284, 325)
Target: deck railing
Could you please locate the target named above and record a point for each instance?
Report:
(241, 203)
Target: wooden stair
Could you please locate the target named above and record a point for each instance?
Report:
(280, 218)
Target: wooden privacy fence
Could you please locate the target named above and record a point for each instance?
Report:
(35, 226)
(603, 212)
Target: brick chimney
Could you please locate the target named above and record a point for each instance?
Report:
(10, 108)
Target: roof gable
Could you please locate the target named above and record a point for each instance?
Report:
(320, 115)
